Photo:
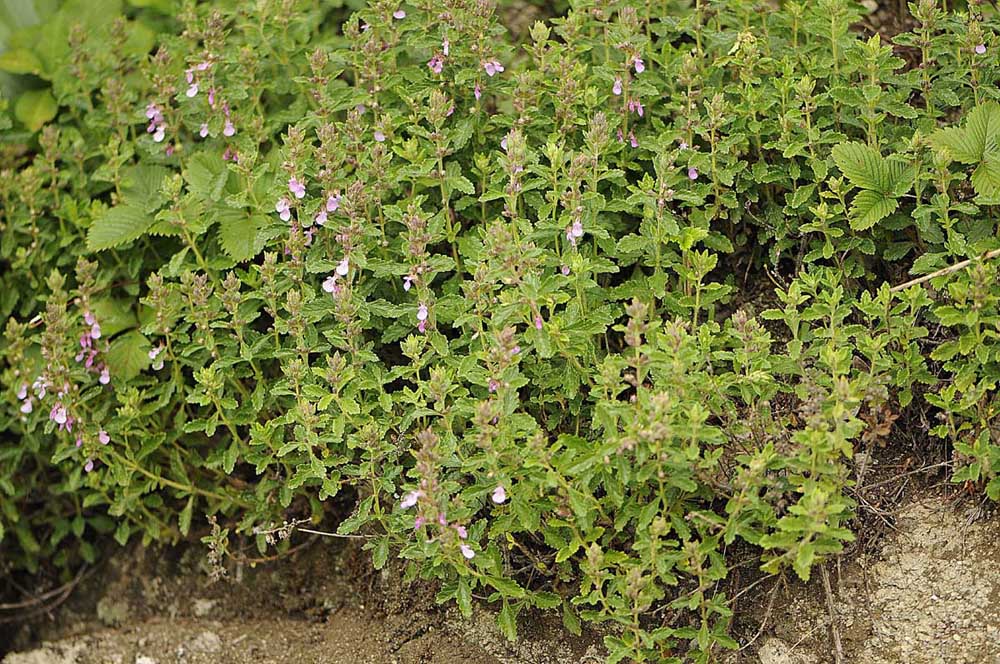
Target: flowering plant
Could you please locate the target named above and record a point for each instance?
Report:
(496, 294)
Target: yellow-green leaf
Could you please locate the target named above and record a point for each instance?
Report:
(35, 107)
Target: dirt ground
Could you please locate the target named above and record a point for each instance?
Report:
(930, 593)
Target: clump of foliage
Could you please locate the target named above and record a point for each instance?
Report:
(562, 317)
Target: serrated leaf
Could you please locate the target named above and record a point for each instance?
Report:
(35, 107)
(970, 143)
(986, 177)
(870, 207)
(861, 164)
(128, 355)
(117, 226)
(206, 175)
(238, 235)
(507, 621)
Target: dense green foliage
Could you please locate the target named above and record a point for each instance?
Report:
(560, 317)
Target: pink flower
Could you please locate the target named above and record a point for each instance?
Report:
(683, 145)
(492, 67)
(330, 284)
(634, 105)
(574, 232)
(503, 143)
(410, 499)
(445, 46)
(22, 393)
(981, 49)
(633, 141)
(105, 376)
(477, 91)
(499, 495)
(27, 406)
(422, 326)
(79, 441)
(332, 202)
(89, 466)
(320, 217)
(462, 532)
(640, 66)
(95, 331)
(565, 270)
(229, 129)
(103, 436)
(211, 97)
(379, 136)
(283, 209)
(342, 267)
(407, 282)
(160, 133)
(538, 322)
(296, 187)
(192, 90)
(436, 63)
(493, 385)
(617, 87)
(58, 414)
(422, 312)
(152, 111)
(399, 14)
(467, 552)
(692, 173)
(203, 132)
(153, 353)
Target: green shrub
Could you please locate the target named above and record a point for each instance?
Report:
(508, 300)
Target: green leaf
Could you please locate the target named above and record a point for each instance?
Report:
(870, 207)
(986, 177)
(117, 226)
(970, 144)
(861, 164)
(35, 107)
(128, 355)
(507, 621)
(238, 235)
(380, 553)
(184, 522)
(20, 61)
(206, 175)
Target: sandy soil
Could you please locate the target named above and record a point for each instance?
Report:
(930, 593)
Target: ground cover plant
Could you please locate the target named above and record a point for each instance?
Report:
(559, 314)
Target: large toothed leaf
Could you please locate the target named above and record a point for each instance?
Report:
(870, 207)
(117, 226)
(862, 165)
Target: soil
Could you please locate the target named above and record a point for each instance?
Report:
(149, 606)
(929, 593)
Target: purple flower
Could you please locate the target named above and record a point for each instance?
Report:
(565, 270)
(499, 495)
(634, 105)
(493, 385)
(95, 331)
(692, 173)
(58, 414)
(399, 14)
(574, 232)
(228, 129)
(410, 499)
(617, 87)
(283, 209)
(330, 284)
(192, 90)
(342, 267)
(422, 312)
(640, 66)
(297, 188)
(89, 466)
(27, 406)
(492, 67)
(332, 202)
(538, 322)
(103, 436)
(477, 91)
(79, 441)
(407, 282)
(105, 376)
(683, 145)
(22, 393)
(203, 132)
(419, 522)
(436, 63)
(211, 97)
(379, 136)
(981, 49)
(503, 143)
(152, 111)
(467, 552)
(633, 141)
(462, 532)
(160, 133)
(153, 353)
(320, 217)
